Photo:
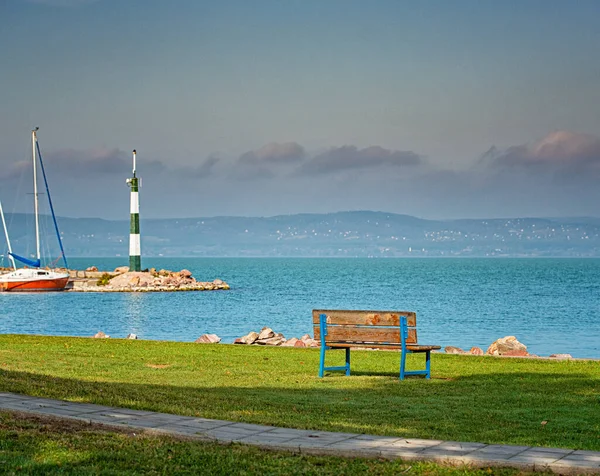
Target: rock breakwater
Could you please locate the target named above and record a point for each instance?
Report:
(123, 280)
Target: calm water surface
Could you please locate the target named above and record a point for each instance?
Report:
(551, 305)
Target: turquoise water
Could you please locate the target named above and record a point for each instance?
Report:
(551, 305)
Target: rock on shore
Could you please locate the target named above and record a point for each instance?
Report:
(267, 336)
(208, 339)
(508, 346)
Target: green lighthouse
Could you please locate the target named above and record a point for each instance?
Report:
(135, 254)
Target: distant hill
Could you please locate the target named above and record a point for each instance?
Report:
(343, 234)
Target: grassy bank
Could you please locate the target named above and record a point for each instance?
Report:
(482, 399)
(35, 445)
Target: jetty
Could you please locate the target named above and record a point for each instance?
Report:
(152, 280)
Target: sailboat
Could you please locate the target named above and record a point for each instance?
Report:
(33, 277)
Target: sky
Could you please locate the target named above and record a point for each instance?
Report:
(442, 110)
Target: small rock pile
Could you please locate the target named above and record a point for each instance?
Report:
(507, 346)
(268, 337)
(153, 280)
(102, 335)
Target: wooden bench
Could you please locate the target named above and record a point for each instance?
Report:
(394, 330)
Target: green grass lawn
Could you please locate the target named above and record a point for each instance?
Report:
(42, 445)
(484, 399)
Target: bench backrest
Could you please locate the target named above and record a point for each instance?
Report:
(366, 327)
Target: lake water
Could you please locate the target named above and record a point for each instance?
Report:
(551, 305)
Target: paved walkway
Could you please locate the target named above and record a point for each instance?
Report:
(315, 442)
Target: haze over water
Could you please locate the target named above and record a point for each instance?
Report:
(551, 305)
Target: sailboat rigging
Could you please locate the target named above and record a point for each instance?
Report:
(33, 277)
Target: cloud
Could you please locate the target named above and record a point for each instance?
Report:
(350, 157)
(77, 163)
(92, 161)
(274, 153)
(104, 162)
(557, 150)
(260, 163)
(205, 169)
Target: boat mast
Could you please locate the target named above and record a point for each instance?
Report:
(35, 192)
(10, 257)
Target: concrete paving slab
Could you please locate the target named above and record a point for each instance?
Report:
(445, 452)
(460, 446)
(179, 429)
(102, 418)
(503, 449)
(494, 458)
(261, 439)
(228, 431)
(126, 411)
(310, 443)
(534, 458)
(226, 436)
(358, 443)
(553, 451)
(327, 434)
(202, 425)
(577, 463)
(579, 457)
(58, 411)
(384, 440)
(414, 443)
(250, 427)
(291, 431)
(355, 445)
(84, 408)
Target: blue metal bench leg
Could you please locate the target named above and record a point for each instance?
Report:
(322, 364)
(428, 364)
(402, 364)
(347, 361)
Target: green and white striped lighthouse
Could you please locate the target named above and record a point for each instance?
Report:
(135, 253)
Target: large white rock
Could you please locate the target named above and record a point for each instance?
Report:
(266, 333)
(132, 279)
(290, 342)
(450, 349)
(208, 339)
(507, 345)
(250, 338)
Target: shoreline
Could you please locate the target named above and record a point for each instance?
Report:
(101, 335)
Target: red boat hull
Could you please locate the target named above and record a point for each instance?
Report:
(33, 286)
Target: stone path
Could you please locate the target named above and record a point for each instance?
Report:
(559, 460)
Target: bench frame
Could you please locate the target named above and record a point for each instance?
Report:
(404, 350)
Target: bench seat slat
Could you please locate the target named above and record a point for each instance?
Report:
(368, 318)
(373, 334)
(412, 347)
